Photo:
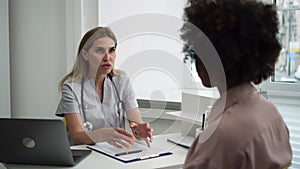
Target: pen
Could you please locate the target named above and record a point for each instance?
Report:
(128, 152)
(203, 121)
(182, 145)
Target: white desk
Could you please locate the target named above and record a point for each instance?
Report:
(97, 161)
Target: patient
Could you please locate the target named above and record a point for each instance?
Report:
(234, 45)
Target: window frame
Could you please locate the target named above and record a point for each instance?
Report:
(277, 89)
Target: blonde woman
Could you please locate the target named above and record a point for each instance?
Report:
(96, 98)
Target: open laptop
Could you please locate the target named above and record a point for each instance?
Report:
(37, 141)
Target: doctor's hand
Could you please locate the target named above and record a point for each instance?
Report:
(142, 131)
(117, 137)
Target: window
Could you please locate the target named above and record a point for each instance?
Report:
(287, 68)
(286, 79)
(283, 89)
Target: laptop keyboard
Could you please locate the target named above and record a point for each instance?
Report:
(76, 157)
(79, 154)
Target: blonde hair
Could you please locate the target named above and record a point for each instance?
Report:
(80, 67)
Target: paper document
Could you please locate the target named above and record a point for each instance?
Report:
(135, 152)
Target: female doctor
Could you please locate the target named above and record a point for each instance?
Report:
(95, 96)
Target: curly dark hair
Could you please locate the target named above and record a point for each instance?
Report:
(243, 33)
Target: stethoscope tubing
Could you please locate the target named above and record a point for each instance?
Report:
(87, 124)
(82, 105)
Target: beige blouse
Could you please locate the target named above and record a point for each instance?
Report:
(245, 131)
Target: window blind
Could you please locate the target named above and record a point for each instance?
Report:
(291, 116)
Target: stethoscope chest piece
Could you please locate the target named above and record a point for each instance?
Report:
(88, 125)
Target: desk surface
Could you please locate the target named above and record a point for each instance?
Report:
(97, 160)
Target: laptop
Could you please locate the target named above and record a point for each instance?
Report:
(37, 141)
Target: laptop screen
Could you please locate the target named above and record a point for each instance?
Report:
(35, 141)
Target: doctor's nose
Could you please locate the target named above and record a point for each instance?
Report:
(107, 56)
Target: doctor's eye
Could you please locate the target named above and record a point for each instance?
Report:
(112, 50)
(100, 51)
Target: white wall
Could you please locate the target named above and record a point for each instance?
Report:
(4, 61)
(38, 43)
(149, 45)
(37, 55)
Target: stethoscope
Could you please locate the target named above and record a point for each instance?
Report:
(88, 125)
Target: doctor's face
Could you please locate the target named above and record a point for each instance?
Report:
(100, 56)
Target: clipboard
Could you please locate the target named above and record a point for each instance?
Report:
(135, 152)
